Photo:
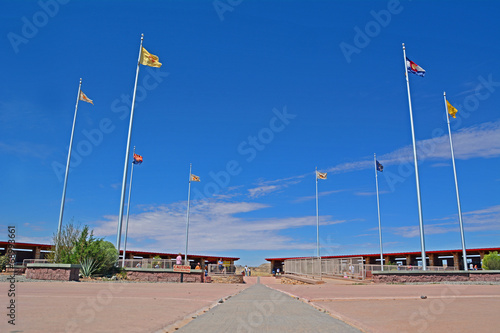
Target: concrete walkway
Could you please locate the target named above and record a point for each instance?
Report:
(262, 309)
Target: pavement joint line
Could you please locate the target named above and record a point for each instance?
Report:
(122, 297)
(187, 319)
(397, 298)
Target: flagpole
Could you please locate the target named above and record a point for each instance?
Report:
(464, 252)
(127, 153)
(378, 209)
(420, 216)
(128, 211)
(317, 214)
(187, 221)
(63, 199)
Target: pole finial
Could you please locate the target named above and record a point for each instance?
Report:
(444, 93)
(80, 80)
(404, 46)
(142, 36)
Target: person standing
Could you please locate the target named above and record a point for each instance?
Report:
(178, 260)
(221, 265)
(246, 270)
(249, 271)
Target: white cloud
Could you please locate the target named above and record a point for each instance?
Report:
(320, 194)
(478, 220)
(214, 226)
(270, 186)
(478, 141)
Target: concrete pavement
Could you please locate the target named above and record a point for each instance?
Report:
(399, 308)
(262, 309)
(160, 307)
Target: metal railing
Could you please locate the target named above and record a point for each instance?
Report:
(35, 261)
(316, 267)
(408, 268)
(353, 268)
(147, 263)
(215, 269)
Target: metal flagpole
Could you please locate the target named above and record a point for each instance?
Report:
(378, 209)
(317, 214)
(464, 252)
(128, 211)
(61, 212)
(187, 221)
(420, 216)
(127, 153)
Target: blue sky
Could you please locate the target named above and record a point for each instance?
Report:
(255, 94)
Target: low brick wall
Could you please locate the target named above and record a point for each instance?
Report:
(434, 276)
(162, 275)
(60, 272)
(236, 278)
(294, 279)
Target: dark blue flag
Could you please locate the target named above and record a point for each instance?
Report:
(380, 167)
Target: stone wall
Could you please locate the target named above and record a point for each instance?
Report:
(295, 279)
(60, 272)
(236, 278)
(286, 280)
(163, 275)
(428, 276)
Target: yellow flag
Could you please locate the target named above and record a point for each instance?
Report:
(149, 59)
(84, 98)
(195, 178)
(451, 109)
(320, 175)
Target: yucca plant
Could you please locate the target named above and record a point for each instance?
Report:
(89, 266)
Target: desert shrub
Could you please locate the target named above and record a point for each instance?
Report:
(69, 235)
(491, 261)
(4, 260)
(79, 246)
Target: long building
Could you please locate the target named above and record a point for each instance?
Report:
(433, 258)
(39, 251)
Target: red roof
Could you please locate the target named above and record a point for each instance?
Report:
(32, 245)
(391, 254)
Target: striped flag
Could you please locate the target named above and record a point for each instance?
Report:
(414, 68)
(137, 159)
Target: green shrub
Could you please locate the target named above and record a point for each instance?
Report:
(79, 246)
(4, 260)
(491, 261)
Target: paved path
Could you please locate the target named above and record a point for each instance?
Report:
(262, 309)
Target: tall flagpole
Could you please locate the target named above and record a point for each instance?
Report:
(128, 211)
(464, 252)
(127, 153)
(187, 221)
(420, 216)
(317, 214)
(378, 209)
(61, 212)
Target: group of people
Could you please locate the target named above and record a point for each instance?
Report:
(248, 271)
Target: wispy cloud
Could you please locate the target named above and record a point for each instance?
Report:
(270, 186)
(214, 226)
(371, 193)
(478, 220)
(26, 149)
(320, 194)
(478, 141)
